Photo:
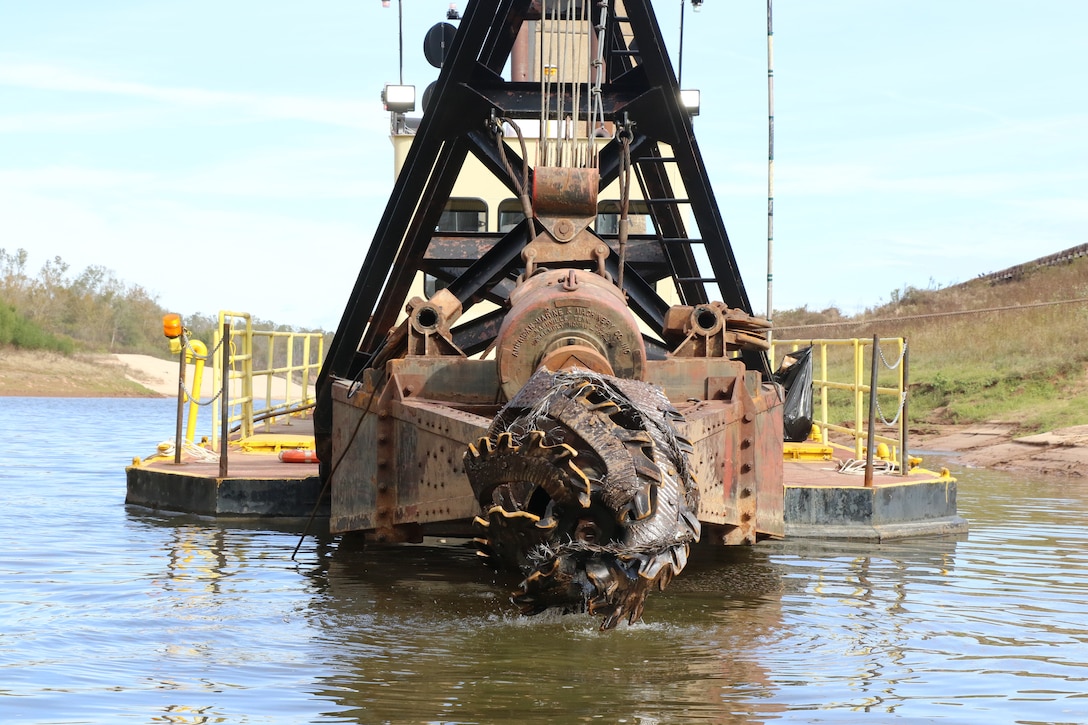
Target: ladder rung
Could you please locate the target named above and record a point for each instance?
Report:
(667, 201)
(655, 159)
(627, 53)
(680, 240)
(697, 279)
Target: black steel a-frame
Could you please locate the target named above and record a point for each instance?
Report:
(639, 86)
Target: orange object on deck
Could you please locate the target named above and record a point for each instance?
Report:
(298, 456)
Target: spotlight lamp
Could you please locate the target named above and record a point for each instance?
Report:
(690, 99)
(399, 99)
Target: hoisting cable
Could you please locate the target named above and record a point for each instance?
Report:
(595, 118)
(625, 136)
(521, 184)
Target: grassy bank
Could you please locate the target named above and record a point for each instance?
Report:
(1012, 352)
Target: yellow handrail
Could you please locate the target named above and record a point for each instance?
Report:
(295, 379)
(861, 353)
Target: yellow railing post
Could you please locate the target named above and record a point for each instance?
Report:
(198, 351)
(241, 361)
(856, 388)
(823, 386)
(268, 378)
(858, 397)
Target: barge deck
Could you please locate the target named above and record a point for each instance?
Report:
(820, 501)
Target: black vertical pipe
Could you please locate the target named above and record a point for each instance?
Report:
(871, 433)
(224, 418)
(904, 456)
(181, 397)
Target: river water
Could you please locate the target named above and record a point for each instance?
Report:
(113, 614)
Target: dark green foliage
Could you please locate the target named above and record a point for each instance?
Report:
(16, 330)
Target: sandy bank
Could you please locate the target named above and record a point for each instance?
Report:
(161, 376)
(1062, 452)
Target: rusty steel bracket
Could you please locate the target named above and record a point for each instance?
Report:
(713, 329)
(428, 325)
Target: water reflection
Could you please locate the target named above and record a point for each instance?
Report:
(110, 613)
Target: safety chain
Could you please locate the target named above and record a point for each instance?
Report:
(894, 421)
(902, 354)
(197, 355)
(196, 399)
(902, 395)
(186, 347)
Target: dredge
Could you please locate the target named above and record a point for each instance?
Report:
(570, 395)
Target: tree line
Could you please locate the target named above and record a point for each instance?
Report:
(90, 311)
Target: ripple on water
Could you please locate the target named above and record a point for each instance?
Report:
(112, 614)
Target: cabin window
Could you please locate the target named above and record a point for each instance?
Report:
(459, 215)
(463, 215)
(510, 214)
(638, 218)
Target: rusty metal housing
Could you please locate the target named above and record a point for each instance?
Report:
(402, 408)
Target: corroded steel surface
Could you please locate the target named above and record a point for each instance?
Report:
(630, 427)
(585, 488)
(564, 191)
(560, 309)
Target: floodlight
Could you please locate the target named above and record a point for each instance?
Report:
(689, 99)
(399, 99)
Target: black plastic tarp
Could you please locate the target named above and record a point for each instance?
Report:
(795, 375)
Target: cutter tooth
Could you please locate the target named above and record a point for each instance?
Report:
(650, 569)
(496, 509)
(664, 578)
(679, 557)
(483, 445)
(534, 440)
(544, 571)
(548, 522)
(693, 523)
(584, 499)
(564, 451)
(479, 521)
(603, 578)
(505, 442)
(641, 506)
(607, 407)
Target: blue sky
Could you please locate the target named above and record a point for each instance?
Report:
(235, 155)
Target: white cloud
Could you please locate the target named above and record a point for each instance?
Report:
(365, 115)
